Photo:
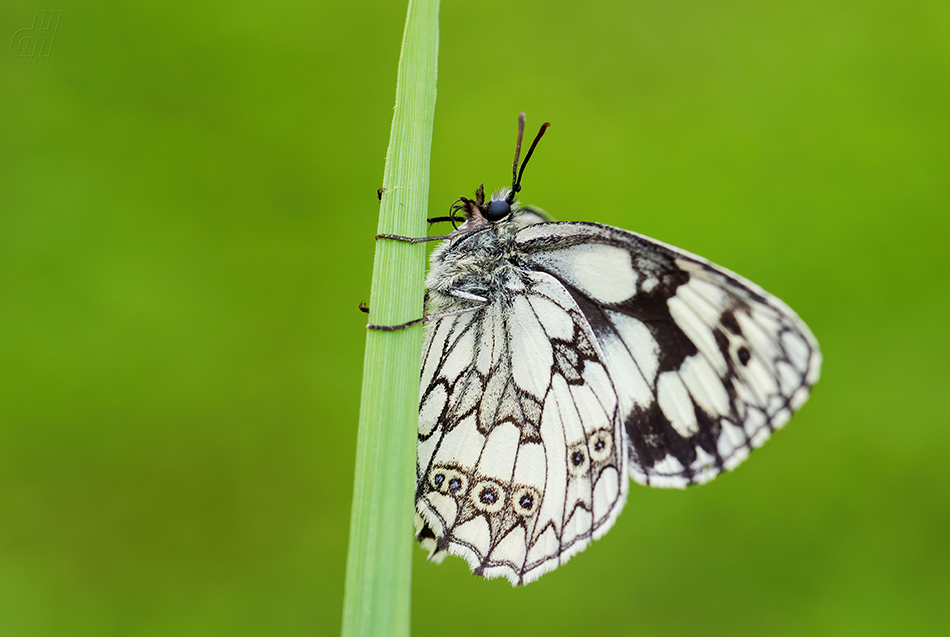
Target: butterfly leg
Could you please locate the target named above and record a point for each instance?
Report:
(482, 302)
(397, 237)
(395, 328)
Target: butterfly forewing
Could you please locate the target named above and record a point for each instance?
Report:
(707, 365)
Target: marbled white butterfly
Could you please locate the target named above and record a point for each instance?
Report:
(560, 358)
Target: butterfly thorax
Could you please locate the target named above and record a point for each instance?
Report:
(480, 260)
(483, 261)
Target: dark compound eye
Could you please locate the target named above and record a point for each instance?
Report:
(497, 209)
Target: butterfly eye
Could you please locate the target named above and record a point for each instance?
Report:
(497, 210)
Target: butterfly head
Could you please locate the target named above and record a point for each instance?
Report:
(478, 213)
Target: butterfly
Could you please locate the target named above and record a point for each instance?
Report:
(561, 359)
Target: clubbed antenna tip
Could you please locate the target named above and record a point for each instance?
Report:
(515, 173)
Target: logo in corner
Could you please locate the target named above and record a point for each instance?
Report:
(33, 45)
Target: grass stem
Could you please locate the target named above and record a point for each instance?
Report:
(378, 594)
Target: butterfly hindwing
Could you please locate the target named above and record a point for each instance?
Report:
(521, 459)
(707, 364)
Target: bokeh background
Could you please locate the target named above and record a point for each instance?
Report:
(187, 206)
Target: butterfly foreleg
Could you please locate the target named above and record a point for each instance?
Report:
(396, 328)
(396, 237)
(480, 300)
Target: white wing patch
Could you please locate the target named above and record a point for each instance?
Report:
(604, 269)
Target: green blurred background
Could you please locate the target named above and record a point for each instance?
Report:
(187, 206)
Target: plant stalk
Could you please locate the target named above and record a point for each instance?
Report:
(378, 594)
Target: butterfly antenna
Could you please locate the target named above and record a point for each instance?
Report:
(515, 173)
(514, 166)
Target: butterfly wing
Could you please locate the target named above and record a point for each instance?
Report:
(521, 458)
(707, 364)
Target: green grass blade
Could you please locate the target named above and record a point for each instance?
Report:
(378, 597)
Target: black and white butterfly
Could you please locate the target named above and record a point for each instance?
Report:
(561, 358)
